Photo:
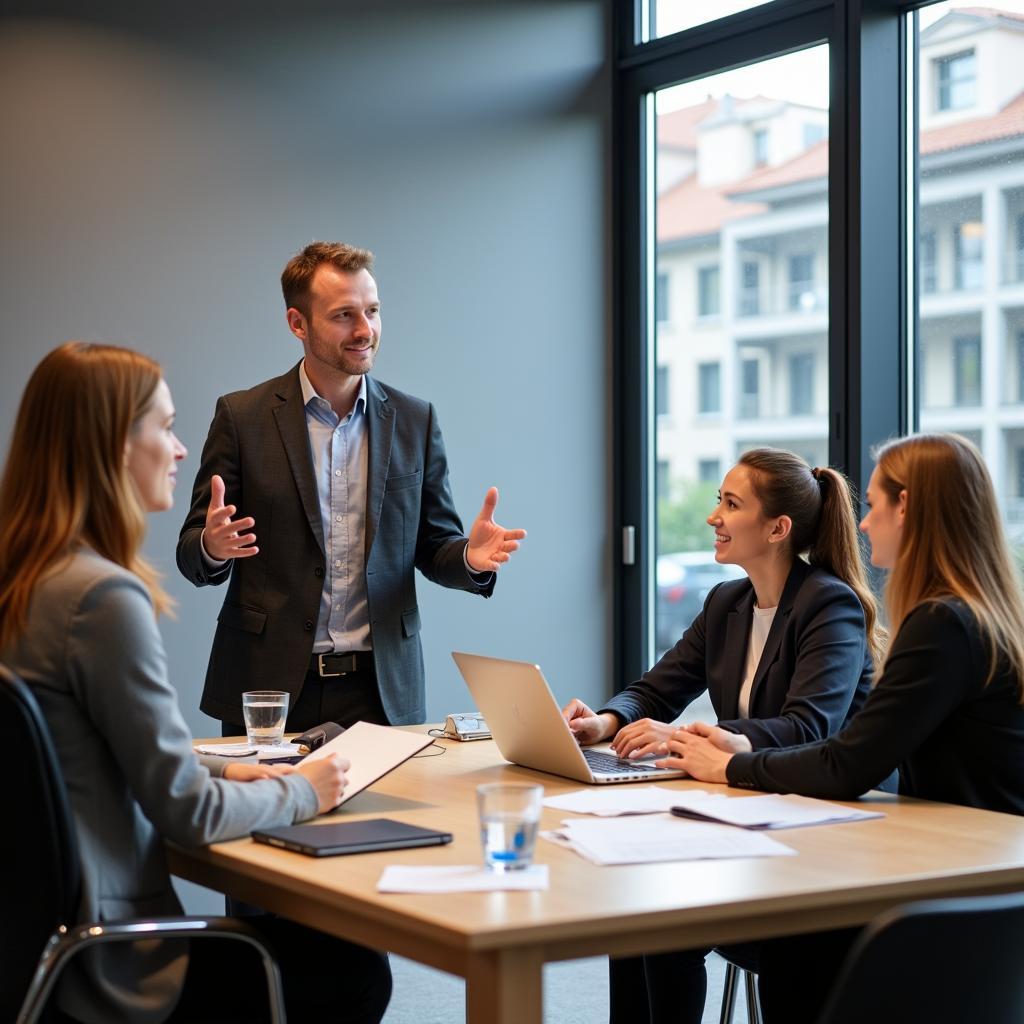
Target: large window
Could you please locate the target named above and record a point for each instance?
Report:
(857, 298)
(740, 210)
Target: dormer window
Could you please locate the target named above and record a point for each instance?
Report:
(955, 78)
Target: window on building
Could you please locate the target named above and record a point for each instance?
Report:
(709, 471)
(1020, 366)
(967, 371)
(801, 281)
(968, 247)
(750, 288)
(662, 479)
(709, 387)
(760, 147)
(813, 134)
(750, 389)
(926, 262)
(707, 291)
(661, 399)
(801, 384)
(661, 298)
(955, 78)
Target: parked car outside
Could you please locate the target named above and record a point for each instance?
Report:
(683, 581)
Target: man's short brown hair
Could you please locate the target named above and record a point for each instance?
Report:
(297, 276)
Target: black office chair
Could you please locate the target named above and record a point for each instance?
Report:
(943, 961)
(42, 876)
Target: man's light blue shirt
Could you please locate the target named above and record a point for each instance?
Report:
(339, 451)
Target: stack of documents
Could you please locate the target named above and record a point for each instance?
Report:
(768, 811)
(660, 837)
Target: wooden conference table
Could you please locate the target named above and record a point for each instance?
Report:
(844, 875)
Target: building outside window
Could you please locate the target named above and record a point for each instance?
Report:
(967, 371)
(1020, 370)
(968, 243)
(709, 387)
(661, 298)
(708, 291)
(801, 384)
(955, 79)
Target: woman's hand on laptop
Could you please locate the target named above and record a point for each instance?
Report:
(586, 725)
(327, 776)
(642, 737)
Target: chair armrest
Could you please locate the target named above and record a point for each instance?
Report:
(66, 943)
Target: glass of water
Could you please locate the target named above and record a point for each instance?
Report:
(509, 816)
(264, 712)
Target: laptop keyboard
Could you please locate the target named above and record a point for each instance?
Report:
(609, 764)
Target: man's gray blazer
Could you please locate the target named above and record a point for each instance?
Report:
(259, 444)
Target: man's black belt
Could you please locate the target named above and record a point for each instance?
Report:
(327, 665)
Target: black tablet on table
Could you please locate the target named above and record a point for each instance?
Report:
(329, 840)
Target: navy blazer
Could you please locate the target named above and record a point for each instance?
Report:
(259, 444)
(814, 673)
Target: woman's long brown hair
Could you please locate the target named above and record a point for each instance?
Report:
(66, 483)
(953, 543)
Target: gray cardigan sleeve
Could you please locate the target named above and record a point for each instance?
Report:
(118, 672)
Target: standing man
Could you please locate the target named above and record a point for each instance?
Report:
(318, 494)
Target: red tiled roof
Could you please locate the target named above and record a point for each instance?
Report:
(1007, 123)
(987, 12)
(679, 127)
(688, 210)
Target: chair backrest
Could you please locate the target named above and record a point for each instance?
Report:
(38, 847)
(943, 961)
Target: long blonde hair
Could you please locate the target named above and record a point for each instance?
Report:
(820, 505)
(66, 482)
(953, 542)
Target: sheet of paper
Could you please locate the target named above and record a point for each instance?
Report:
(460, 878)
(372, 750)
(609, 801)
(225, 749)
(661, 837)
(772, 810)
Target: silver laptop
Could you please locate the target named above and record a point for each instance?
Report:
(527, 725)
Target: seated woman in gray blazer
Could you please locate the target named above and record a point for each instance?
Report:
(93, 449)
(786, 656)
(948, 707)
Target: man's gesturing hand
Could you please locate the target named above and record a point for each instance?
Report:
(223, 537)
(489, 543)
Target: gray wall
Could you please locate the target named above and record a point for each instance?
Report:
(157, 172)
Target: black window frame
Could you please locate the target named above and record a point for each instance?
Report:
(870, 69)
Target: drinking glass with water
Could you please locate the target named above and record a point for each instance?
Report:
(264, 712)
(509, 817)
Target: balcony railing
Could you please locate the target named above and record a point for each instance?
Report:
(800, 298)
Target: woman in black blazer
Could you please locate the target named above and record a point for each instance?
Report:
(786, 656)
(947, 710)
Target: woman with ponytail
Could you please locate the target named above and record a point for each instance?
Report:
(948, 708)
(786, 656)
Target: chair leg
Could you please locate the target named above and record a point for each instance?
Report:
(732, 979)
(753, 1003)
